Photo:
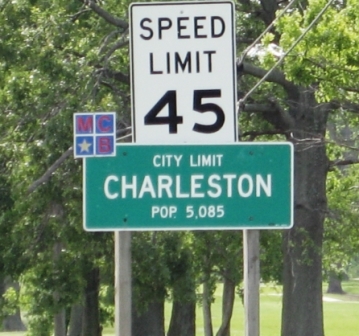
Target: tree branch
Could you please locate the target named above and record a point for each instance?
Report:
(4, 5)
(275, 77)
(78, 14)
(118, 45)
(105, 15)
(348, 106)
(44, 178)
(338, 163)
(118, 76)
(254, 134)
(257, 108)
(273, 112)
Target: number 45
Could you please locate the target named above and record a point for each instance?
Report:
(170, 99)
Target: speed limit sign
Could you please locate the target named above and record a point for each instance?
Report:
(183, 72)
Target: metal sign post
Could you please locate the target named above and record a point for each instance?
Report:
(251, 272)
(123, 293)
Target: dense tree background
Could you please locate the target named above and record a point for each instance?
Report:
(64, 57)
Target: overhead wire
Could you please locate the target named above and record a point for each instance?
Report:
(124, 137)
(281, 59)
(244, 54)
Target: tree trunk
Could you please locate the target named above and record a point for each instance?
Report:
(302, 310)
(91, 317)
(207, 314)
(75, 325)
(183, 319)
(335, 284)
(60, 323)
(227, 307)
(150, 322)
(183, 316)
(11, 322)
(269, 8)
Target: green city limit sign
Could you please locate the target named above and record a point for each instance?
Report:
(195, 187)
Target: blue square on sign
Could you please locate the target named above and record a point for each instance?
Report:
(84, 124)
(84, 146)
(105, 145)
(105, 123)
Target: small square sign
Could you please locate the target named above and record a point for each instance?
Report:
(94, 134)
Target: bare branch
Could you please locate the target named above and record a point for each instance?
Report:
(118, 76)
(272, 112)
(120, 44)
(275, 77)
(107, 40)
(344, 145)
(105, 15)
(348, 106)
(338, 163)
(257, 108)
(78, 14)
(254, 134)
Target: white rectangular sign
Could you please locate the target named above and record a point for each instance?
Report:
(183, 72)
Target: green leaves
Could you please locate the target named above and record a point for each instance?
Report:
(326, 55)
(49, 64)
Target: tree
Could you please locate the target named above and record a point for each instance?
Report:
(218, 256)
(47, 76)
(341, 234)
(300, 110)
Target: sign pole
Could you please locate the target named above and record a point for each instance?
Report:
(123, 287)
(251, 281)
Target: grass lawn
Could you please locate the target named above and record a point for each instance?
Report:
(341, 313)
